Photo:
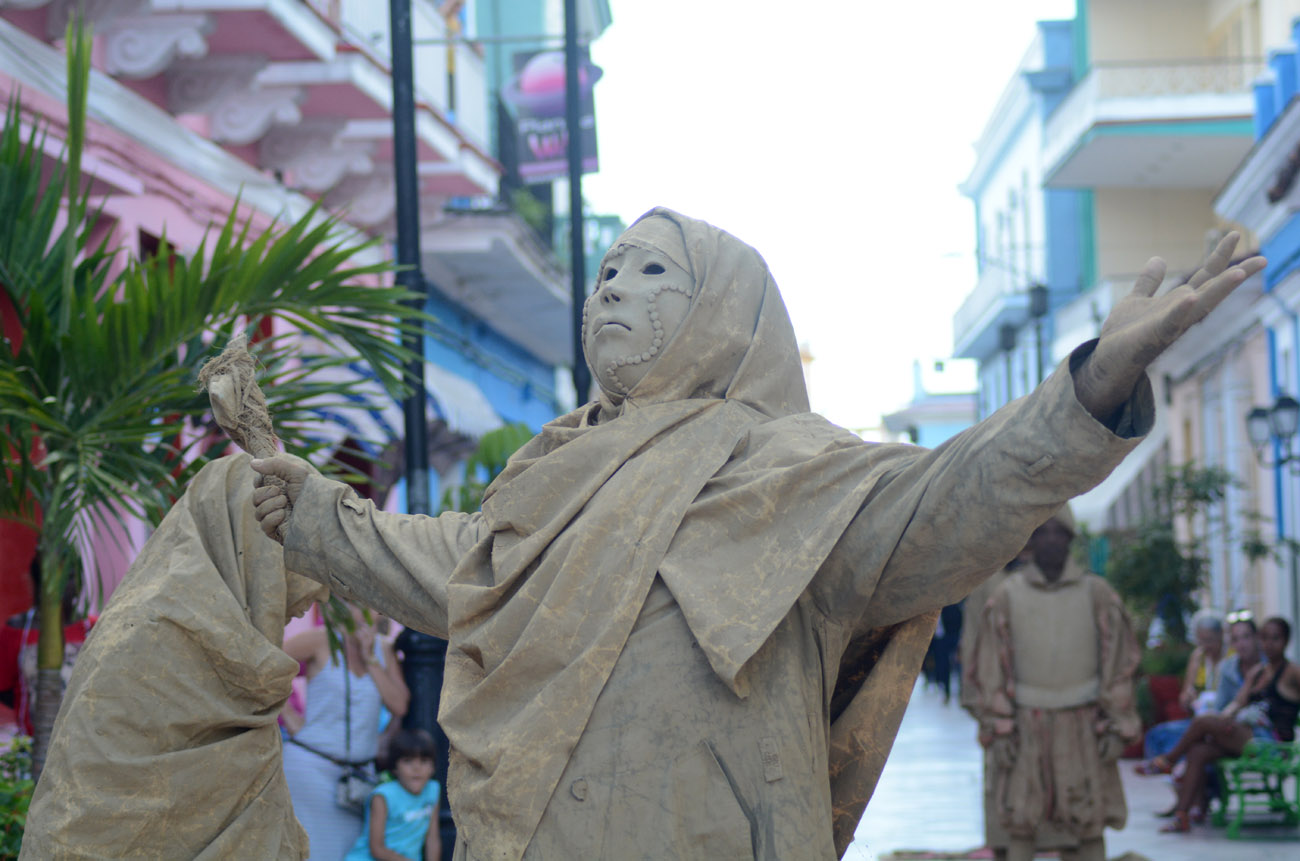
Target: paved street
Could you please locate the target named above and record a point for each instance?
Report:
(929, 798)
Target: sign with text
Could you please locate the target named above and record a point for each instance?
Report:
(537, 94)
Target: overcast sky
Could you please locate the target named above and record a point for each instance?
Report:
(830, 135)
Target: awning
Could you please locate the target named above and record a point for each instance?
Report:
(378, 420)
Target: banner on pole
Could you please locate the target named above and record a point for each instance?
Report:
(537, 94)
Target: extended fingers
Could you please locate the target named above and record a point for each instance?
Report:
(1220, 286)
(1149, 280)
(1218, 260)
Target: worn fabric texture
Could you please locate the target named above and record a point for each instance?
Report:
(166, 745)
(1054, 671)
(973, 608)
(690, 574)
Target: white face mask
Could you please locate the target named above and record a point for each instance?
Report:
(640, 302)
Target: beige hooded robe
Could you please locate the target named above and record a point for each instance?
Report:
(652, 614)
(1054, 665)
(973, 608)
(166, 745)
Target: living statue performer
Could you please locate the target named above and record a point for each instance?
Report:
(1054, 663)
(650, 615)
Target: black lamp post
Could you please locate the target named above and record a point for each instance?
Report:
(1038, 310)
(1276, 424)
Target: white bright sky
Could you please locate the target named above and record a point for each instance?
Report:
(831, 135)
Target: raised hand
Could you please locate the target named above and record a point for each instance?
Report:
(1142, 325)
(273, 501)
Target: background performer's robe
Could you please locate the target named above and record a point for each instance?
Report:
(1040, 645)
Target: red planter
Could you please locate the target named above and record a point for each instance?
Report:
(1165, 691)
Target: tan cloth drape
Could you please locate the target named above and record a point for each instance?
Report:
(166, 745)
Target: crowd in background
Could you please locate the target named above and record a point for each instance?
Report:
(348, 728)
(1238, 686)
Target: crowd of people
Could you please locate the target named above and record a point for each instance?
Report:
(1047, 661)
(1257, 697)
(354, 704)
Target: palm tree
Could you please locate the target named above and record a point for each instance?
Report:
(99, 408)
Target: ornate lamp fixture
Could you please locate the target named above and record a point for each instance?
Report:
(1276, 424)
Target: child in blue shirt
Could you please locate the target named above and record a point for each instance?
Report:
(402, 814)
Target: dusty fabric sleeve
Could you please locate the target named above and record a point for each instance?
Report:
(397, 564)
(1117, 706)
(972, 502)
(973, 613)
(993, 674)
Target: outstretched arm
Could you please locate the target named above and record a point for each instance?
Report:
(397, 564)
(970, 504)
(1143, 325)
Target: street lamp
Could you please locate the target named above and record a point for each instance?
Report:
(1038, 310)
(1277, 424)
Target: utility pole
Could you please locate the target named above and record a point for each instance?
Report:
(408, 253)
(424, 654)
(577, 254)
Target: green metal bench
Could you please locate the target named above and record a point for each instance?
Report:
(1259, 781)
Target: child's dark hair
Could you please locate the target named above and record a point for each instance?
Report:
(413, 743)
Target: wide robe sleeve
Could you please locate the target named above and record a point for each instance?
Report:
(1120, 654)
(993, 673)
(937, 524)
(397, 564)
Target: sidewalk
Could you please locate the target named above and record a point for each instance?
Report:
(929, 798)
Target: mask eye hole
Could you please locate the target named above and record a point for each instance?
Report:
(653, 269)
(610, 273)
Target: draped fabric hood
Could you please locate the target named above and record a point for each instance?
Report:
(710, 472)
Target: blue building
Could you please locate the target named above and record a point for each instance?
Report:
(1031, 241)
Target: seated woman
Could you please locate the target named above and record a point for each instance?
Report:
(1200, 683)
(1266, 707)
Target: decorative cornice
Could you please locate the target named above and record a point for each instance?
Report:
(141, 46)
(244, 116)
(199, 86)
(313, 155)
(365, 201)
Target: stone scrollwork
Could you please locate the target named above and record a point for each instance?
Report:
(245, 115)
(313, 154)
(365, 201)
(199, 86)
(141, 46)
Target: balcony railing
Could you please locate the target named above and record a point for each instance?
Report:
(994, 283)
(1174, 78)
(1149, 91)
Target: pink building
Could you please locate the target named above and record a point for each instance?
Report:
(278, 103)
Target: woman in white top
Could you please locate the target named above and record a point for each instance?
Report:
(341, 723)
